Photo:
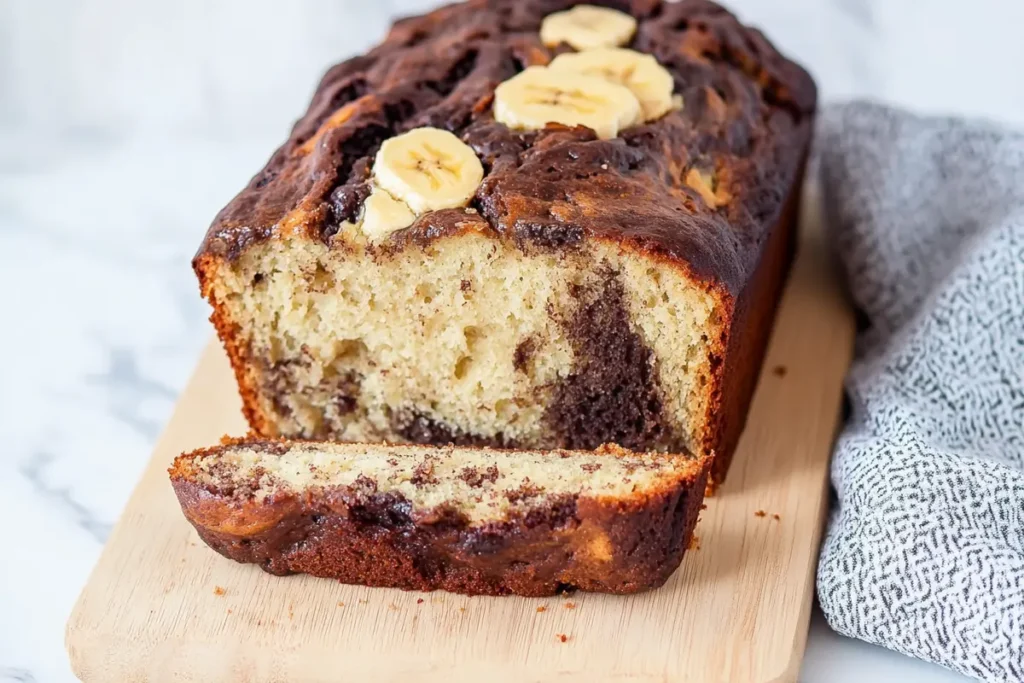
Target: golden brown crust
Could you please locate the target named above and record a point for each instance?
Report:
(237, 349)
(354, 534)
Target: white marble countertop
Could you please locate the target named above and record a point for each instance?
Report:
(125, 126)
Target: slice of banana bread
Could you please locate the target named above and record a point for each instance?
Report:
(516, 225)
(476, 521)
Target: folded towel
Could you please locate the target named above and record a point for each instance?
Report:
(924, 552)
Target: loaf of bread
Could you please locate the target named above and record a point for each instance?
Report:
(521, 225)
(467, 520)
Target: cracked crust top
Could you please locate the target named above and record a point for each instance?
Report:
(699, 185)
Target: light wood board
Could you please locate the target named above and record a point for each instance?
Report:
(737, 609)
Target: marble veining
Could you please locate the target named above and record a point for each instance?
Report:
(124, 127)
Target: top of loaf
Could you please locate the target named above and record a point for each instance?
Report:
(744, 124)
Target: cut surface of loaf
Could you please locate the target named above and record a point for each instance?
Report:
(591, 291)
(469, 520)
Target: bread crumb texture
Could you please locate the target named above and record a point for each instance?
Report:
(468, 332)
(482, 484)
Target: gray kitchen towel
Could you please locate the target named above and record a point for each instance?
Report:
(924, 551)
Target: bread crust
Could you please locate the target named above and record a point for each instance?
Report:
(604, 544)
(747, 119)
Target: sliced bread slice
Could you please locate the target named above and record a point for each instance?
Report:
(466, 520)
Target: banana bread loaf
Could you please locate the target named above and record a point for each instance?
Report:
(522, 225)
(475, 520)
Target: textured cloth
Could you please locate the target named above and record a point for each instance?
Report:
(924, 552)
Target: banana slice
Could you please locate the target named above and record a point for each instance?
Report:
(586, 27)
(704, 183)
(428, 169)
(641, 73)
(538, 96)
(383, 214)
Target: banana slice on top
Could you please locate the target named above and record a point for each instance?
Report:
(538, 96)
(586, 27)
(649, 81)
(428, 169)
(383, 215)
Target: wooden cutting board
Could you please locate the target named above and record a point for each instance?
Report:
(160, 606)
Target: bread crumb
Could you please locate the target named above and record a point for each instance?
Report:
(562, 637)
(775, 516)
(341, 604)
(703, 506)
(393, 607)
(570, 605)
(542, 608)
(419, 601)
(217, 590)
(779, 371)
(760, 513)
(229, 611)
(462, 609)
(363, 602)
(694, 543)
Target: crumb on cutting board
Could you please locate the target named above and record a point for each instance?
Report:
(694, 543)
(419, 601)
(542, 608)
(779, 370)
(341, 604)
(570, 605)
(562, 637)
(776, 516)
(218, 591)
(760, 513)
